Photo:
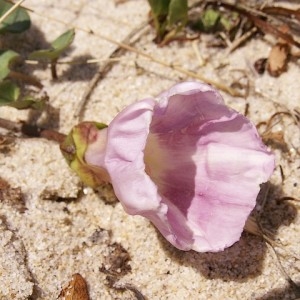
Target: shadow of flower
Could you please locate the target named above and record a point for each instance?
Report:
(276, 294)
(245, 258)
(242, 260)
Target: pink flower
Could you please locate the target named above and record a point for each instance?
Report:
(188, 163)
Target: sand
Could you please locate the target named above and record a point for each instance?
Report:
(52, 227)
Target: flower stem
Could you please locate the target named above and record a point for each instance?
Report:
(32, 130)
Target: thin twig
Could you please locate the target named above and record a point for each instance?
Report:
(200, 59)
(283, 271)
(25, 78)
(32, 130)
(181, 70)
(106, 68)
(10, 125)
(236, 43)
(264, 26)
(251, 226)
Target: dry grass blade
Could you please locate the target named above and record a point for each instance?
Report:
(271, 120)
(282, 11)
(131, 38)
(251, 226)
(236, 43)
(255, 15)
(276, 137)
(268, 28)
(293, 284)
(288, 198)
(179, 69)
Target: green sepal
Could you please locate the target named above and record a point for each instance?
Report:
(73, 149)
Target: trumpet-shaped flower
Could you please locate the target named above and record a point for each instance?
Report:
(187, 162)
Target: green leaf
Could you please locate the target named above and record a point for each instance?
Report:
(159, 7)
(209, 21)
(168, 16)
(29, 102)
(18, 21)
(7, 57)
(64, 40)
(9, 92)
(57, 47)
(229, 22)
(178, 13)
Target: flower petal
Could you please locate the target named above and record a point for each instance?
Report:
(127, 135)
(189, 164)
(208, 168)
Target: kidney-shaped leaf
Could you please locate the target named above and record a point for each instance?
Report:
(57, 47)
(18, 21)
(6, 58)
(9, 92)
(10, 96)
(29, 102)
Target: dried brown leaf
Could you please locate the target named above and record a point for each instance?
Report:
(282, 11)
(75, 290)
(278, 59)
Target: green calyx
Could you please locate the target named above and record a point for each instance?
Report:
(73, 149)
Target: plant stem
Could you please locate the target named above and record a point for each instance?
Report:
(53, 69)
(25, 78)
(32, 130)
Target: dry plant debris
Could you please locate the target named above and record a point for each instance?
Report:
(6, 143)
(117, 261)
(279, 55)
(112, 283)
(12, 197)
(278, 59)
(116, 266)
(276, 138)
(76, 289)
(266, 19)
